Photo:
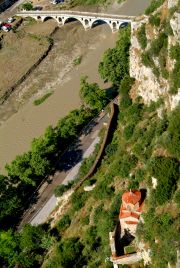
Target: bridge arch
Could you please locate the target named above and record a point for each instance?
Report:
(100, 22)
(48, 18)
(123, 24)
(68, 19)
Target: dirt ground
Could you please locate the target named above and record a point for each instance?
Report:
(20, 51)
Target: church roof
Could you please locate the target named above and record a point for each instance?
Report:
(133, 196)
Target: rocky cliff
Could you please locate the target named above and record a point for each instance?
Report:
(150, 61)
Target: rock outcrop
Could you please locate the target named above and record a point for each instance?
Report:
(151, 88)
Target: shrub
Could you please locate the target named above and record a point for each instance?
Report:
(155, 20)
(70, 253)
(98, 212)
(177, 197)
(166, 170)
(102, 190)
(146, 59)
(43, 98)
(64, 223)
(128, 162)
(27, 6)
(167, 27)
(85, 220)
(141, 36)
(60, 189)
(125, 102)
(172, 139)
(126, 84)
(139, 175)
(78, 200)
(134, 113)
(128, 131)
(175, 52)
(77, 61)
(115, 207)
(158, 43)
(153, 6)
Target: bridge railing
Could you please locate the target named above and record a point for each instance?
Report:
(67, 12)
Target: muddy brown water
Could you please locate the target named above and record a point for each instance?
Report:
(56, 73)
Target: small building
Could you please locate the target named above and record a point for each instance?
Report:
(130, 211)
(122, 244)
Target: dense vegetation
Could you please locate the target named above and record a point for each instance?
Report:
(144, 146)
(27, 171)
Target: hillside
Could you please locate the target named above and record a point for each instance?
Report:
(142, 154)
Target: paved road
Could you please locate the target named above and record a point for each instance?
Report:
(43, 213)
(68, 169)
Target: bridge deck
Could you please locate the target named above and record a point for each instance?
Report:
(76, 13)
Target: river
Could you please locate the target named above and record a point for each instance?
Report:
(55, 73)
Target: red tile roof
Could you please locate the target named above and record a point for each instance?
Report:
(132, 197)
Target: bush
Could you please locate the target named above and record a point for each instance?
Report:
(177, 197)
(64, 223)
(153, 6)
(78, 200)
(102, 190)
(175, 75)
(128, 131)
(166, 171)
(175, 52)
(141, 36)
(158, 43)
(98, 213)
(155, 20)
(172, 140)
(70, 253)
(60, 189)
(27, 6)
(85, 220)
(77, 61)
(125, 102)
(128, 162)
(146, 59)
(126, 85)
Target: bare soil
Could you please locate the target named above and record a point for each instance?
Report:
(20, 51)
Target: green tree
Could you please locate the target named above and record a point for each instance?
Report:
(27, 6)
(141, 36)
(8, 248)
(92, 95)
(20, 168)
(115, 63)
(70, 253)
(32, 245)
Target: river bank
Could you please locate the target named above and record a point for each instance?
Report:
(56, 73)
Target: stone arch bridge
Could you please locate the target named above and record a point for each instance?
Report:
(87, 19)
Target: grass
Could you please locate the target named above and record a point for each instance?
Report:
(43, 98)
(77, 60)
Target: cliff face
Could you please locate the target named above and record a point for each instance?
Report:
(149, 85)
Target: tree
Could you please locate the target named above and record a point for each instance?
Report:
(8, 248)
(115, 63)
(70, 253)
(27, 6)
(20, 168)
(33, 243)
(92, 95)
(166, 170)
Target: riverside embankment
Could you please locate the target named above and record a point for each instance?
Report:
(55, 73)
